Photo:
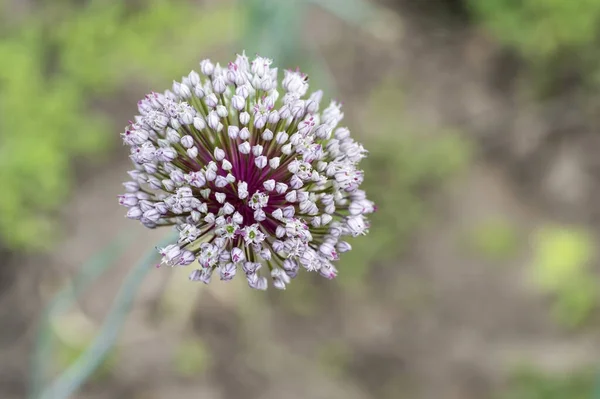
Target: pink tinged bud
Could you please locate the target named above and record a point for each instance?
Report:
(150, 168)
(279, 284)
(220, 197)
(228, 209)
(210, 175)
(316, 221)
(219, 84)
(192, 152)
(243, 91)
(286, 149)
(329, 251)
(196, 275)
(291, 196)
(244, 147)
(277, 214)
(273, 117)
(187, 258)
(257, 150)
(226, 165)
(161, 207)
(194, 78)
(172, 136)
(274, 162)
(237, 218)
(199, 91)
(237, 255)
(328, 272)
(258, 283)
(207, 67)
(209, 218)
(181, 90)
(219, 154)
(227, 272)
(260, 161)
(175, 123)
(278, 246)
(260, 121)
(281, 137)
(251, 267)
(134, 213)
(265, 254)
(168, 184)
(187, 141)
(128, 200)
(342, 133)
(281, 188)
(238, 102)
(244, 118)
(152, 215)
(269, 185)
(233, 132)
(145, 205)
(221, 182)
(280, 231)
(154, 183)
(244, 133)
(296, 182)
(213, 120)
(196, 216)
(259, 215)
(206, 275)
(242, 190)
(177, 176)
(202, 207)
(166, 154)
(343, 246)
(267, 135)
(289, 211)
(222, 111)
(199, 123)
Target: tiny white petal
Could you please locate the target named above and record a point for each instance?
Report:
(260, 162)
(220, 197)
(269, 185)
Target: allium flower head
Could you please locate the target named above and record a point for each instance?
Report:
(256, 180)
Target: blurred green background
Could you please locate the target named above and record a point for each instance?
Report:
(478, 278)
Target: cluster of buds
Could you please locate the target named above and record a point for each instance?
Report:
(255, 181)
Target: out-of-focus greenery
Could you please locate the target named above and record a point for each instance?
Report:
(191, 358)
(548, 33)
(334, 357)
(561, 260)
(54, 65)
(493, 239)
(73, 333)
(403, 161)
(530, 383)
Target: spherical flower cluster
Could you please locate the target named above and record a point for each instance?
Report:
(255, 180)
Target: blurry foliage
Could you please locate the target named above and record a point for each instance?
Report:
(334, 358)
(303, 298)
(73, 333)
(529, 383)
(402, 162)
(191, 358)
(562, 258)
(550, 34)
(493, 239)
(54, 65)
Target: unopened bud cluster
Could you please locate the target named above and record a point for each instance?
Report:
(256, 180)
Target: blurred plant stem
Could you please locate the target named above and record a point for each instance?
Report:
(69, 381)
